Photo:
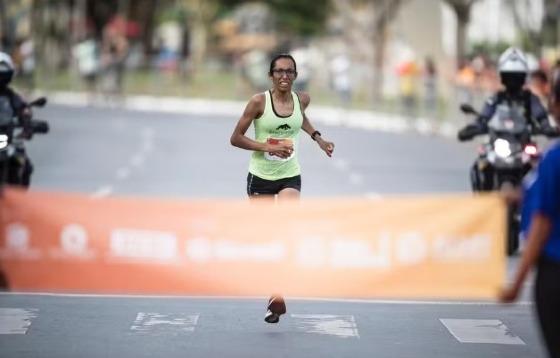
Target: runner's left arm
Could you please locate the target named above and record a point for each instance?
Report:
(326, 146)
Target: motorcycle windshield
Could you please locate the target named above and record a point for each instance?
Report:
(508, 119)
(6, 111)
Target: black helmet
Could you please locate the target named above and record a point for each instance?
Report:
(6, 70)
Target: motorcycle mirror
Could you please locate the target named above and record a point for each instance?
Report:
(467, 108)
(39, 102)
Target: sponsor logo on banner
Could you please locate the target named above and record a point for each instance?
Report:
(143, 245)
(205, 250)
(17, 243)
(73, 244)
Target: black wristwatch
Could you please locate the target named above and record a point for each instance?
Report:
(314, 134)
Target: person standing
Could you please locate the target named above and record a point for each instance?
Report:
(114, 52)
(541, 221)
(278, 116)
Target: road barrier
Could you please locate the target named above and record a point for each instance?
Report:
(448, 246)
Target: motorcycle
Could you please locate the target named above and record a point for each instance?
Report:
(504, 158)
(13, 159)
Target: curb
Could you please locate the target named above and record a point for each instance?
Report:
(330, 116)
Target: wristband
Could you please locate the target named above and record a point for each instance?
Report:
(314, 134)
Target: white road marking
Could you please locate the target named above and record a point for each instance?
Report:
(164, 323)
(147, 132)
(335, 325)
(481, 331)
(356, 178)
(137, 160)
(148, 146)
(103, 191)
(372, 196)
(341, 164)
(123, 173)
(16, 320)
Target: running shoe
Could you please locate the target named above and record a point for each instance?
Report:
(276, 308)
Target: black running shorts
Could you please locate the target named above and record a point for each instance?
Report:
(260, 186)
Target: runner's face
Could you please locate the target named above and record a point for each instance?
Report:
(283, 74)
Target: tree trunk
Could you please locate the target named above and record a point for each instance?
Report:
(380, 41)
(3, 24)
(385, 12)
(461, 40)
(463, 18)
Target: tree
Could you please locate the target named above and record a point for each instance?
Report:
(3, 23)
(377, 17)
(535, 33)
(551, 23)
(201, 15)
(301, 18)
(462, 9)
(293, 17)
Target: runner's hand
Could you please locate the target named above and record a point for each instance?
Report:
(508, 294)
(327, 147)
(282, 150)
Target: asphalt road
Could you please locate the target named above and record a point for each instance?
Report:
(155, 154)
(115, 152)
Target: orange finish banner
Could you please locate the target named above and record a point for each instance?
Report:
(448, 246)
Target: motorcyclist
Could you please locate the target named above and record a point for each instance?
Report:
(13, 106)
(513, 69)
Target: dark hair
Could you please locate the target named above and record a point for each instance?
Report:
(540, 75)
(277, 57)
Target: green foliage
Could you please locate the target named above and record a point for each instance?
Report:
(293, 17)
(302, 18)
(491, 49)
(175, 13)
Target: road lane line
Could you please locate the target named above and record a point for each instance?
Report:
(373, 196)
(123, 173)
(102, 191)
(16, 320)
(356, 178)
(164, 323)
(137, 160)
(341, 164)
(335, 325)
(481, 331)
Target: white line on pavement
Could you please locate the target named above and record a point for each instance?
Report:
(336, 325)
(372, 196)
(123, 173)
(149, 322)
(137, 160)
(356, 178)
(340, 164)
(102, 191)
(16, 320)
(481, 331)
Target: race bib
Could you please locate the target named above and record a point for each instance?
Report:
(270, 156)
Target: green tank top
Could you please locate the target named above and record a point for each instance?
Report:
(272, 127)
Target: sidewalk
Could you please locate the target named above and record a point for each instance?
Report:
(330, 116)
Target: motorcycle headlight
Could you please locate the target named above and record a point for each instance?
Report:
(3, 141)
(502, 148)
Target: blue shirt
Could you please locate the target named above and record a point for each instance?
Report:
(542, 195)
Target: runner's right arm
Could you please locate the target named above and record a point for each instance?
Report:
(253, 110)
